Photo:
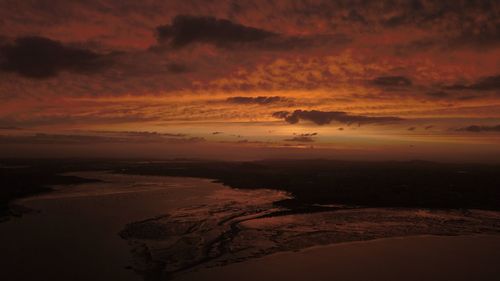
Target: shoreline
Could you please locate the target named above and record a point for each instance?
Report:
(236, 225)
(239, 239)
(415, 258)
(382, 239)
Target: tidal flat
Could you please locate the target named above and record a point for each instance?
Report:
(113, 224)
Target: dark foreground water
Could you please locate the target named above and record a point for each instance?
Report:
(205, 231)
(436, 258)
(75, 234)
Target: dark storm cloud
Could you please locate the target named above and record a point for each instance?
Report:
(39, 57)
(327, 117)
(300, 139)
(185, 30)
(486, 84)
(256, 100)
(391, 81)
(478, 129)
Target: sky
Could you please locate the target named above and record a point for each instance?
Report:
(363, 80)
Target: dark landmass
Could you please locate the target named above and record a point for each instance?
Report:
(414, 184)
(22, 178)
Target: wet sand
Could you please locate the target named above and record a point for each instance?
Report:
(436, 258)
(220, 235)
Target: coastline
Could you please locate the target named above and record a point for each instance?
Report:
(230, 235)
(423, 257)
(242, 223)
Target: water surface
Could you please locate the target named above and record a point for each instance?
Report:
(74, 236)
(197, 229)
(436, 258)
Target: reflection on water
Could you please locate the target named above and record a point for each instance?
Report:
(436, 258)
(214, 235)
(198, 235)
(188, 228)
(75, 234)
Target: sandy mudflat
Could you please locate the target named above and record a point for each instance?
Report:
(218, 235)
(436, 258)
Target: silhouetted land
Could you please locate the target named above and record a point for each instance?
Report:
(22, 178)
(373, 184)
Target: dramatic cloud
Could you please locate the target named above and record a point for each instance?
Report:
(327, 117)
(391, 81)
(199, 67)
(39, 57)
(308, 135)
(477, 128)
(141, 134)
(256, 100)
(453, 95)
(300, 139)
(42, 138)
(490, 83)
(185, 30)
(245, 141)
(305, 137)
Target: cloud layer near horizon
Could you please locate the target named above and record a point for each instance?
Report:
(327, 117)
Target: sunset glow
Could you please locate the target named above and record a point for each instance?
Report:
(251, 79)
